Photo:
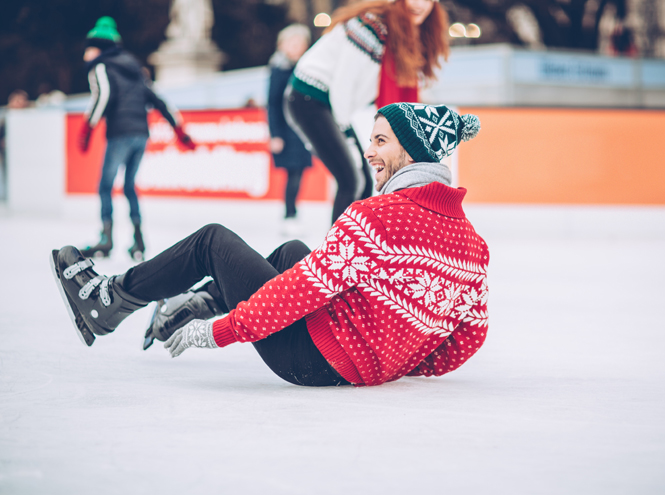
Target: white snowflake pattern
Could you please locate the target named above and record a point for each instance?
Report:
(422, 294)
(451, 293)
(426, 287)
(468, 300)
(348, 262)
(331, 237)
(466, 308)
(436, 127)
(429, 109)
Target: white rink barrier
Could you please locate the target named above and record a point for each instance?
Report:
(35, 143)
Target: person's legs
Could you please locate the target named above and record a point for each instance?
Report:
(238, 272)
(287, 255)
(291, 192)
(116, 150)
(215, 251)
(207, 301)
(281, 259)
(291, 353)
(318, 124)
(136, 147)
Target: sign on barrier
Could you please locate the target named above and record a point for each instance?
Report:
(232, 159)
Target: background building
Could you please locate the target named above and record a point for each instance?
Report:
(41, 42)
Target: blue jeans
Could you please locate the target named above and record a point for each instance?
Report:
(128, 150)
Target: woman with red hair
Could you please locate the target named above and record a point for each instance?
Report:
(373, 53)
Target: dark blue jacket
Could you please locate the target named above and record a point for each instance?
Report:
(294, 156)
(120, 92)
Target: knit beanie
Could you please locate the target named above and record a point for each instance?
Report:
(104, 35)
(429, 133)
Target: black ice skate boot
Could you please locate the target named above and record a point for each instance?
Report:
(175, 312)
(104, 246)
(96, 304)
(138, 249)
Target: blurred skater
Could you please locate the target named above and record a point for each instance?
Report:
(398, 287)
(287, 149)
(120, 93)
(373, 52)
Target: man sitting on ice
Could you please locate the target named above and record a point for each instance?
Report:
(398, 287)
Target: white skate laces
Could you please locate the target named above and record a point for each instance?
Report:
(197, 333)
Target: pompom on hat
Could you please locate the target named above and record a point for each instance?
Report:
(429, 133)
(104, 35)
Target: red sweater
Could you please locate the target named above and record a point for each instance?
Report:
(398, 287)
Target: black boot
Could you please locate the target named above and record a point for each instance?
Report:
(175, 312)
(104, 246)
(137, 251)
(96, 304)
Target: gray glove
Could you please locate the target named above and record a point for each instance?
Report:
(197, 333)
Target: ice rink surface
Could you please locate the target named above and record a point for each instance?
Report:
(566, 396)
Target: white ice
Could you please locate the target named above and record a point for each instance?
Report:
(566, 397)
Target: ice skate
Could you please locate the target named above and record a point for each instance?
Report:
(103, 248)
(291, 228)
(137, 251)
(175, 312)
(96, 304)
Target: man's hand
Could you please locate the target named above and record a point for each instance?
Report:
(197, 333)
(84, 137)
(184, 138)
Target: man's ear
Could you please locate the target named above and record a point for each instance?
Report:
(408, 157)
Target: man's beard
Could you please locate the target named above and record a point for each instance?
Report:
(403, 159)
(395, 166)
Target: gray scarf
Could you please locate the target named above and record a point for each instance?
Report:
(417, 175)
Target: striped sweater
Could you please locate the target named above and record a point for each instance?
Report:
(342, 68)
(398, 287)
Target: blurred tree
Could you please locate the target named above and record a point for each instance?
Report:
(246, 30)
(42, 41)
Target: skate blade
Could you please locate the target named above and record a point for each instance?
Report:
(149, 337)
(148, 341)
(84, 334)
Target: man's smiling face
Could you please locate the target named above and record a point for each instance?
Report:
(385, 153)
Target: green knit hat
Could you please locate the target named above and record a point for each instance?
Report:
(104, 34)
(429, 133)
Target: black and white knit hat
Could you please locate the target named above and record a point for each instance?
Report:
(429, 133)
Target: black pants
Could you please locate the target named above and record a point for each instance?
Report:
(316, 121)
(292, 189)
(238, 272)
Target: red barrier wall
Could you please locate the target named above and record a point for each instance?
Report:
(522, 155)
(231, 160)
